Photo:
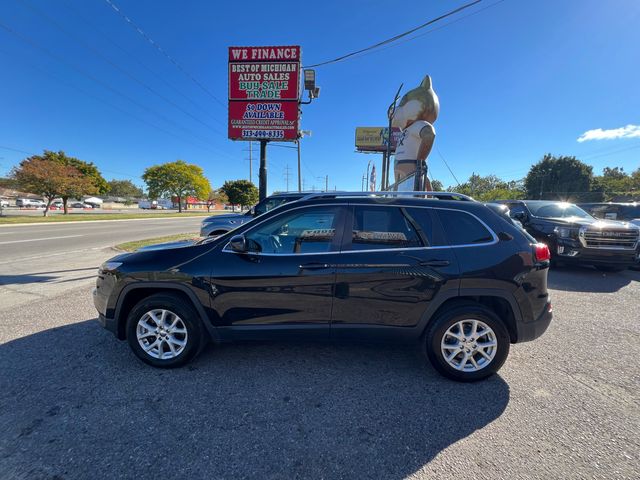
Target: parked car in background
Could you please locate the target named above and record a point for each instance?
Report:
(4, 203)
(453, 275)
(30, 203)
(79, 205)
(575, 237)
(625, 212)
(220, 224)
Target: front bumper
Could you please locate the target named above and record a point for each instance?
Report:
(100, 302)
(528, 331)
(572, 252)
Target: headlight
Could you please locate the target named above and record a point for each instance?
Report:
(565, 232)
(109, 266)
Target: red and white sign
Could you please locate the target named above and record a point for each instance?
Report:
(264, 90)
(264, 81)
(256, 120)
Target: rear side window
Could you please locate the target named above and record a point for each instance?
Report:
(382, 228)
(463, 229)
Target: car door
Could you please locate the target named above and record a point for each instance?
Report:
(284, 284)
(393, 264)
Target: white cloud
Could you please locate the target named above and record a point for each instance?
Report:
(630, 131)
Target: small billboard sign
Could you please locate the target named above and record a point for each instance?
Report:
(374, 139)
(264, 90)
(263, 120)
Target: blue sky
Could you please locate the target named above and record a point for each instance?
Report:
(515, 80)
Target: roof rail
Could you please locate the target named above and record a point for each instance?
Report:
(438, 195)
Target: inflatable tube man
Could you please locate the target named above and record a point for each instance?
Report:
(415, 115)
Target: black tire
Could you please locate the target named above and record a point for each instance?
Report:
(196, 336)
(439, 325)
(610, 268)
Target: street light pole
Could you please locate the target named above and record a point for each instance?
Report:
(299, 170)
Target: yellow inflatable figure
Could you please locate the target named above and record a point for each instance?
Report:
(415, 115)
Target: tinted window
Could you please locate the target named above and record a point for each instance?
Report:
(271, 203)
(309, 230)
(422, 218)
(462, 228)
(382, 227)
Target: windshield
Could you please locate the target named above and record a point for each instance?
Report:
(557, 210)
(629, 212)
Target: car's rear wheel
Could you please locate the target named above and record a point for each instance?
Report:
(165, 331)
(467, 343)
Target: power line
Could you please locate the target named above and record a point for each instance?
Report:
(435, 29)
(141, 32)
(447, 165)
(132, 115)
(115, 65)
(34, 44)
(394, 38)
(96, 28)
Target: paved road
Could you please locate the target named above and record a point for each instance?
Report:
(76, 404)
(44, 260)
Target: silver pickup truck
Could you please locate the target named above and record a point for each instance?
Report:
(220, 224)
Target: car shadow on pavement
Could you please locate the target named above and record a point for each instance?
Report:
(588, 279)
(78, 404)
(44, 277)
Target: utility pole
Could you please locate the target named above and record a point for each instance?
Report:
(263, 169)
(299, 171)
(286, 176)
(250, 150)
(326, 183)
(250, 161)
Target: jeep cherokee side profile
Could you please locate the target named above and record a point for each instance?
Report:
(454, 275)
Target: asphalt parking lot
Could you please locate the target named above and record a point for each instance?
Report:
(77, 404)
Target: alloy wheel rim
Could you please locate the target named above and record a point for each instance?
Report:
(162, 334)
(469, 345)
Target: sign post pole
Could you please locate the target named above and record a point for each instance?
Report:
(299, 172)
(263, 170)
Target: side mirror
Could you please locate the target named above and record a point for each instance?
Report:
(238, 244)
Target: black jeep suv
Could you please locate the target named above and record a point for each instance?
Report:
(575, 237)
(455, 275)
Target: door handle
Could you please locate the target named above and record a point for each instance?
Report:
(435, 263)
(314, 266)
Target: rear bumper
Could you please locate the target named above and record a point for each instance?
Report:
(531, 330)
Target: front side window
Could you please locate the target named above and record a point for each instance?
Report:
(309, 230)
(382, 228)
(463, 229)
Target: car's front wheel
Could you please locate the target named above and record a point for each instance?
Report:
(165, 331)
(467, 343)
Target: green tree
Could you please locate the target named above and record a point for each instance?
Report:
(92, 182)
(47, 177)
(490, 188)
(8, 182)
(616, 184)
(240, 192)
(123, 188)
(216, 196)
(178, 179)
(436, 186)
(560, 178)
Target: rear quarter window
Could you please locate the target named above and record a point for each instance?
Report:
(462, 228)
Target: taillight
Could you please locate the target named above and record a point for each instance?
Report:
(542, 253)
